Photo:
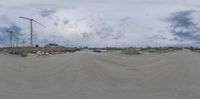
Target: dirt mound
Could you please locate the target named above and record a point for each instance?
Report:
(131, 51)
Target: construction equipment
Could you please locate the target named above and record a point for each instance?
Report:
(31, 28)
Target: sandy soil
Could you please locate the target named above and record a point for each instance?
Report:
(87, 75)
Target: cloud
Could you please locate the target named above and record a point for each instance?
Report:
(12, 27)
(65, 22)
(90, 23)
(86, 35)
(184, 27)
(109, 33)
(56, 23)
(104, 32)
(4, 35)
(158, 37)
(4, 18)
(47, 12)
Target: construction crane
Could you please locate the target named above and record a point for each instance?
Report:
(31, 28)
(11, 36)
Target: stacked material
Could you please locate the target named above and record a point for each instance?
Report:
(131, 51)
(97, 50)
(152, 50)
(37, 50)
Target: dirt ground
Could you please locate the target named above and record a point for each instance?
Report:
(88, 75)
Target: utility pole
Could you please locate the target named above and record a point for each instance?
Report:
(31, 31)
(23, 43)
(17, 44)
(31, 28)
(11, 35)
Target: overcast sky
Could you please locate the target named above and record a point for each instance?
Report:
(102, 23)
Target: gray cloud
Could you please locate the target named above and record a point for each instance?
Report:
(157, 37)
(3, 34)
(47, 12)
(56, 23)
(104, 33)
(65, 22)
(125, 21)
(79, 20)
(183, 26)
(112, 22)
(119, 35)
(16, 29)
(104, 30)
(17, 32)
(4, 18)
(86, 35)
(1, 6)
